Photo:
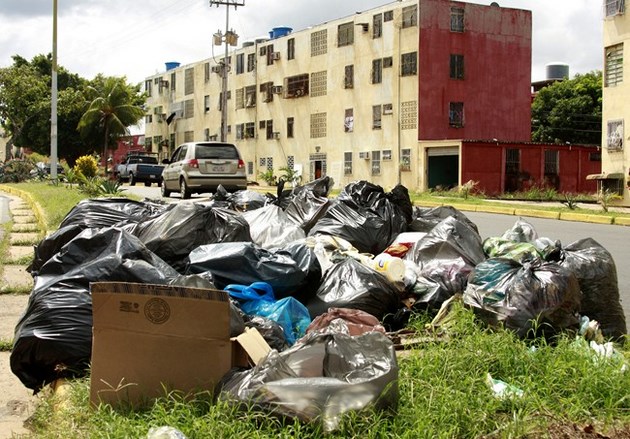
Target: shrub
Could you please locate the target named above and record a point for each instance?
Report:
(15, 171)
(268, 177)
(87, 166)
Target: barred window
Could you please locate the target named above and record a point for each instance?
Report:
(457, 66)
(347, 163)
(457, 19)
(376, 163)
(456, 114)
(377, 71)
(613, 74)
(189, 81)
(345, 34)
(377, 26)
(409, 64)
(409, 16)
(405, 159)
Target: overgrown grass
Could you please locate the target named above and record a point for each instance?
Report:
(6, 345)
(443, 394)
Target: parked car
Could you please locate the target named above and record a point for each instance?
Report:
(199, 167)
(43, 170)
(140, 167)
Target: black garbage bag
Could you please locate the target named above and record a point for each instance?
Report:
(366, 216)
(271, 331)
(533, 299)
(424, 219)
(309, 203)
(93, 213)
(175, 234)
(292, 270)
(53, 339)
(445, 257)
(270, 227)
(320, 379)
(596, 272)
(242, 201)
(350, 284)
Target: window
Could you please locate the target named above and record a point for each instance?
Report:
(319, 42)
(595, 156)
(262, 161)
(148, 118)
(388, 15)
(250, 96)
(291, 48)
(457, 19)
(250, 130)
(388, 109)
(318, 125)
(250, 168)
(240, 98)
(240, 63)
(291, 162)
(614, 7)
(348, 120)
(269, 163)
(552, 165)
(377, 26)
(206, 103)
(348, 76)
(189, 136)
(387, 62)
(409, 16)
(266, 90)
(377, 71)
(189, 81)
(290, 125)
(457, 66)
(206, 134)
(614, 135)
(387, 154)
(376, 117)
(296, 86)
(318, 85)
(270, 55)
(269, 130)
(614, 65)
(456, 114)
(347, 163)
(262, 51)
(240, 129)
(189, 108)
(405, 159)
(376, 163)
(251, 62)
(206, 72)
(148, 86)
(408, 64)
(173, 76)
(148, 143)
(345, 34)
(512, 161)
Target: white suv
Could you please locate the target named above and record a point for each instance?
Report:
(198, 167)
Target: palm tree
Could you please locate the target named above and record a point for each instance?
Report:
(115, 107)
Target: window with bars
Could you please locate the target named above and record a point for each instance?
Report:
(240, 98)
(291, 48)
(240, 131)
(614, 135)
(388, 15)
(250, 168)
(456, 114)
(173, 82)
(318, 85)
(318, 125)
(387, 62)
(457, 66)
(376, 163)
(387, 154)
(408, 64)
(206, 72)
(614, 7)
(512, 161)
(189, 108)
(377, 26)
(319, 42)
(251, 62)
(240, 63)
(266, 90)
(269, 163)
(405, 159)
(345, 34)
(613, 73)
(457, 19)
(269, 130)
(250, 96)
(296, 86)
(270, 55)
(377, 71)
(348, 76)
(376, 117)
(552, 162)
(410, 16)
(291, 162)
(250, 130)
(148, 87)
(206, 103)
(290, 125)
(347, 163)
(189, 81)
(348, 120)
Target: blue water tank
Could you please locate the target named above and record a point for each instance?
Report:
(171, 65)
(278, 32)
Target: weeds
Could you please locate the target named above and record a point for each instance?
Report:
(605, 198)
(6, 345)
(467, 188)
(570, 200)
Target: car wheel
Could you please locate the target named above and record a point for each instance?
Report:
(183, 189)
(165, 192)
(132, 180)
(147, 183)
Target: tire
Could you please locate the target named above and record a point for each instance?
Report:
(132, 180)
(120, 179)
(183, 189)
(147, 183)
(165, 192)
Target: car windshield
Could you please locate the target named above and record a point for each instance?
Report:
(216, 152)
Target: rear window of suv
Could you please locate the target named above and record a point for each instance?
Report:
(216, 152)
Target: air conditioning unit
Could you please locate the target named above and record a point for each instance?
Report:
(276, 134)
(365, 155)
(275, 55)
(276, 89)
(216, 69)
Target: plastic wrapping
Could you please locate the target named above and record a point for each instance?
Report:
(595, 270)
(445, 257)
(270, 227)
(535, 298)
(424, 219)
(495, 247)
(53, 339)
(366, 216)
(173, 235)
(293, 270)
(350, 284)
(320, 379)
(271, 331)
(353, 321)
(521, 231)
(241, 201)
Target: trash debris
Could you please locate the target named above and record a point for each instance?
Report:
(165, 433)
(271, 228)
(350, 321)
(503, 390)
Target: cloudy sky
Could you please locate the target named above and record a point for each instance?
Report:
(134, 38)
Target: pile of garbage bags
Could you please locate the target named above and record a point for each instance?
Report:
(293, 260)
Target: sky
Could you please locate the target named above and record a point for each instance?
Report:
(134, 38)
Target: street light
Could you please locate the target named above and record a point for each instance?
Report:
(230, 39)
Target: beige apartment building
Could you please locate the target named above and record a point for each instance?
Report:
(615, 174)
(375, 96)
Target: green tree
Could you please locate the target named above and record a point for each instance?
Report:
(569, 111)
(114, 106)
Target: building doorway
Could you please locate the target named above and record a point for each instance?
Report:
(443, 168)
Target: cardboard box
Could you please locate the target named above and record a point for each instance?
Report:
(149, 339)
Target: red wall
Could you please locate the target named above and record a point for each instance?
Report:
(125, 145)
(484, 162)
(496, 90)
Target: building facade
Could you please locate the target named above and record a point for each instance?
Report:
(369, 96)
(615, 175)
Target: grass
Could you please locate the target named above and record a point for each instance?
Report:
(443, 394)
(6, 345)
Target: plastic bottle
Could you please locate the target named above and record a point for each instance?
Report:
(392, 267)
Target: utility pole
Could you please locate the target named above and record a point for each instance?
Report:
(229, 39)
(53, 101)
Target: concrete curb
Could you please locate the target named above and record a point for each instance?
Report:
(39, 215)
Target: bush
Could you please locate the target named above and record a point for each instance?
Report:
(15, 171)
(87, 166)
(268, 177)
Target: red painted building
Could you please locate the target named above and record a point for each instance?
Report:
(127, 144)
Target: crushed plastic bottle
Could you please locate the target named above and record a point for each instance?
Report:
(165, 432)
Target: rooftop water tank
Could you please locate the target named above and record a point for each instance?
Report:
(557, 71)
(171, 65)
(278, 32)
(248, 43)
